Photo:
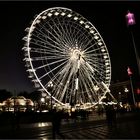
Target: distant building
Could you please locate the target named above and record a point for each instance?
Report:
(123, 93)
(20, 103)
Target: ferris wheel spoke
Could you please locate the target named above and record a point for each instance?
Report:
(38, 50)
(58, 37)
(89, 82)
(94, 50)
(93, 66)
(61, 84)
(56, 56)
(55, 76)
(67, 34)
(83, 39)
(51, 70)
(47, 58)
(41, 44)
(96, 66)
(76, 31)
(48, 37)
(56, 62)
(63, 32)
(89, 47)
(61, 73)
(86, 89)
(48, 64)
(73, 28)
(67, 80)
(63, 79)
(66, 85)
(38, 43)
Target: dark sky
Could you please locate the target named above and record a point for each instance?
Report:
(107, 17)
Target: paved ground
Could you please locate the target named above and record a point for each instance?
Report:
(128, 126)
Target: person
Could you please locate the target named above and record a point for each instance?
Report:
(111, 115)
(56, 123)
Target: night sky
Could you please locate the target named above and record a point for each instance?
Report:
(107, 17)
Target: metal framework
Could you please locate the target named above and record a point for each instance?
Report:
(64, 48)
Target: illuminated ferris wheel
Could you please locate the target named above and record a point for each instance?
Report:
(64, 49)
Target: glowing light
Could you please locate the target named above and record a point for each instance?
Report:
(56, 13)
(96, 88)
(30, 70)
(100, 43)
(96, 37)
(75, 18)
(107, 71)
(130, 18)
(81, 21)
(27, 29)
(42, 100)
(76, 83)
(69, 15)
(92, 31)
(106, 64)
(44, 17)
(105, 56)
(102, 50)
(63, 13)
(87, 26)
(49, 14)
(38, 21)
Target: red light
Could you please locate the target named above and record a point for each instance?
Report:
(138, 91)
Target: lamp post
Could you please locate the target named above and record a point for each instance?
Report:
(50, 86)
(130, 18)
(126, 94)
(132, 89)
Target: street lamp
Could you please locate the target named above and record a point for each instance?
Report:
(130, 18)
(132, 89)
(126, 94)
(50, 86)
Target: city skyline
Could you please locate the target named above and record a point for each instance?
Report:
(107, 17)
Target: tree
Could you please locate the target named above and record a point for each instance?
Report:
(35, 96)
(24, 94)
(4, 94)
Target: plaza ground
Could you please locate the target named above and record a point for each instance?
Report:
(96, 127)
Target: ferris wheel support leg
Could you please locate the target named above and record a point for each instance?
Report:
(107, 91)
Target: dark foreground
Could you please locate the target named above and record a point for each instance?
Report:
(126, 127)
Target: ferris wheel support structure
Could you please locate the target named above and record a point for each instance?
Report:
(64, 48)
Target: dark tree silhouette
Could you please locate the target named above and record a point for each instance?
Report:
(4, 94)
(24, 94)
(35, 96)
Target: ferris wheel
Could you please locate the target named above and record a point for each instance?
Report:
(65, 51)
